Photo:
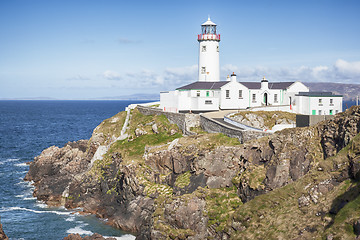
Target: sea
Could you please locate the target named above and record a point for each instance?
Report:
(27, 128)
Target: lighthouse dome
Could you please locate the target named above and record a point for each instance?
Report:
(208, 22)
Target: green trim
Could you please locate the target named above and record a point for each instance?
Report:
(323, 96)
(198, 89)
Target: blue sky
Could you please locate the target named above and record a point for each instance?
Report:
(92, 49)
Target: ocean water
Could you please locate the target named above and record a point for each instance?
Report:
(27, 128)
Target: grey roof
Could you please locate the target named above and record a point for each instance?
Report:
(218, 85)
(272, 85)
(318, 94)
(203, 85)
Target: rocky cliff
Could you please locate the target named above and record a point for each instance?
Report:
(2, 234)
(299, 183)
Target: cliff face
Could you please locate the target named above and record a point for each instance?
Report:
(2, 234)
(158, 184)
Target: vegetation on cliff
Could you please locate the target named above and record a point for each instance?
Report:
(299, 183)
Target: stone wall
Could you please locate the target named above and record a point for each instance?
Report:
(213, 126)
(185, 121)
(310, 120)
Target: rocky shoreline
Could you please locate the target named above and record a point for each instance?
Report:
(159, 184)
(2, 234)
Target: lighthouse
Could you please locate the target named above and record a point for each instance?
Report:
(209, 65)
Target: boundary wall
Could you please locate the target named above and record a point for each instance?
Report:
(310, 120)
(185, 121)
(213, 126)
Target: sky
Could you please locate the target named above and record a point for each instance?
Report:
(85, 49)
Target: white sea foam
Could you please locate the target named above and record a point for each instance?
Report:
(9, 209)
(29, 198)
(10, 160)
(20, 165)
(124, 237)
(20, 196)
(70, 219)
(79, 230)
(41, 204)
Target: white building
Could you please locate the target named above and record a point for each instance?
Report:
(209, 65)
(318, 103)
(211, 94)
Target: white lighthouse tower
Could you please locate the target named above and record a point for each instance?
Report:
(209, 65)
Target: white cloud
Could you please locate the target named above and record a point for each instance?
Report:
(111, 75)
(346, 69)
(171, 78)
(340, 71)
(167, 79)
(79, 77)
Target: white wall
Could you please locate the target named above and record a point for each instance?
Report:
(210, 60)
(169, 101)
(233, 101)
(308, 104)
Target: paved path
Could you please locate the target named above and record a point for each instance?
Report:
(219, 117)
(218, 114)
(221, 120)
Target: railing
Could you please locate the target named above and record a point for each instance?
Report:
(209, 37)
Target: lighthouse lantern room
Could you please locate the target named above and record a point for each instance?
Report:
(209, 65)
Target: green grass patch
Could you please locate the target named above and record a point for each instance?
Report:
(221, 204)
(183, 180)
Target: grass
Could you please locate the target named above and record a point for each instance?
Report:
(221, 204)
(268, 216)
(111, 127)
(183, 180)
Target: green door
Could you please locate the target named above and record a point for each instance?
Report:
(313, 112)
(207, 93)
(331, 112)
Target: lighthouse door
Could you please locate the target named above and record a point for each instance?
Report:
(265, 99)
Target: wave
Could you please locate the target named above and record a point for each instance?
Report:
(9, 209)
(20, 165)
(79, 230)
(10, 160)
(124, 237)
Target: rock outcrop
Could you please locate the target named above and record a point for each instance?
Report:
(160, 185)
(2, 234)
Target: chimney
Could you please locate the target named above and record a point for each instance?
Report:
(233, 77)
(264, 83)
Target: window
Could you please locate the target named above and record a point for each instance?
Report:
(240, 93)
(203, 70)
(331, 112)
(331, 102)
(198, 93)
(320, 112)
(217, 48)
(254, 97)
(207, 93)
(227, 93)
(203, 48)
(313, 112)
(208, 102)
(275, 98)
(320, 102)
(337, 111)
